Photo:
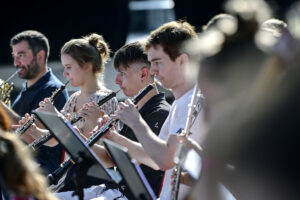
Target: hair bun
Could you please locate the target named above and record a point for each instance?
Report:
(98, 42)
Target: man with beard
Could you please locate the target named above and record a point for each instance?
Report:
(30, 51)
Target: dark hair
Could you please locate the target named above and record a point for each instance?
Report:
(36, 41)
(171, 37)
(235, 46)
(91, 48)
(130, 53)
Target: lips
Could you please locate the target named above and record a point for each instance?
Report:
(158, 78)
(21, 69)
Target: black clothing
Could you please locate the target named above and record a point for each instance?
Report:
(154, 112)
(28, 99)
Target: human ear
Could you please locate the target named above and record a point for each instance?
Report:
(144, 74)
(183, 59)
(40, 56)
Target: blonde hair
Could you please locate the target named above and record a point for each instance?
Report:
(18, 171)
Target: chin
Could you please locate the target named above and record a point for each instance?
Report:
(165, 85)
(126, 94)
(74, 84)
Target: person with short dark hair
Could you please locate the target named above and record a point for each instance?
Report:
(30, 51)
(130, 61)
(169, 64)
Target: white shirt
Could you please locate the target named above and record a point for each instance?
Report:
(176, 119)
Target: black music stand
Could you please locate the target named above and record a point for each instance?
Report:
(86, 161)
(130, 171)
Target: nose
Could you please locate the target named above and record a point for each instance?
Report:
(118, 79)
(16, 62)
(153, 69)
(65, 74)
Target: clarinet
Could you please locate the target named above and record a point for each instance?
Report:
(42, 140)
(181, 150)
(31, 120)
(100, 103)
(54, 177)
(36, 144)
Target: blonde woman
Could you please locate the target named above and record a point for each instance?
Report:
(83, 60)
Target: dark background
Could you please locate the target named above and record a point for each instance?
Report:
(62, 20)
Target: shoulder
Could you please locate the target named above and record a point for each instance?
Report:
(157, 103)
(158, 111)
(74, 95)
(101, 93)
(53, 80)
(109, 106)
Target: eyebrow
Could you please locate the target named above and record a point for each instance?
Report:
(155, 59)
(18, 53)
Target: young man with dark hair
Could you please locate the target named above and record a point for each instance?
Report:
(170, 64)
(133, 69)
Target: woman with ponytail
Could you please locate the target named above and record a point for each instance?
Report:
(83, 60)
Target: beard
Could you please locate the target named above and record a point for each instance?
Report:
(31, 70)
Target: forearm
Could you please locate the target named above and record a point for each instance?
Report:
(159, 150)
(193, 144)
(103, 155)
(135, 150)
(12, 115)
(38, 133)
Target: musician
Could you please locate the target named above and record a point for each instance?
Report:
(169, 63)
(83, 60)
(30, 51)
(132, 66)
(133, 75)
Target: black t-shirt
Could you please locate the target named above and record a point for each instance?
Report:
(28, 99)
(154, 112)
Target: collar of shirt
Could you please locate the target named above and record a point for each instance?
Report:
(44, 79)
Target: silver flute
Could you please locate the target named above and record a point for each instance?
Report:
(181, 150)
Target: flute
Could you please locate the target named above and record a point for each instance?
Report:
(100, 103)
(181, 151)
(45, 138)
(54, 177)
(31, 120)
